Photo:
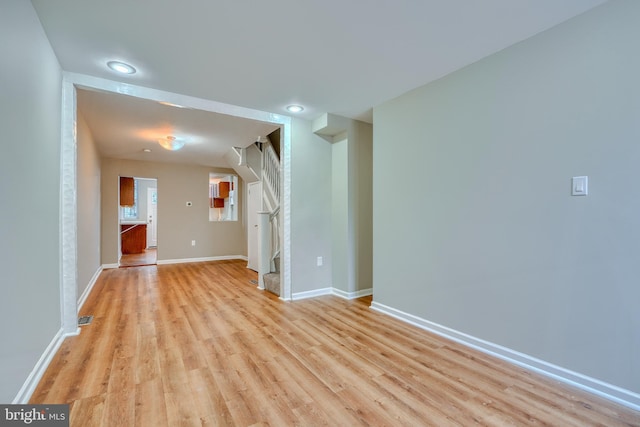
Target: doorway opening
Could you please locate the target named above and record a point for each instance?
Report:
(138, 218)
(69, 262)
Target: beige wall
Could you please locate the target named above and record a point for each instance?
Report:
(361, 136)
(485, 237)
(351, 176)
(88, 168)
(341, 237)
(178, 224)
(30, 114)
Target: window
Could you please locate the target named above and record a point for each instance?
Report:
(223, 204)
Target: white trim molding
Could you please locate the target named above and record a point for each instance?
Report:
(311, 294)
(285, 212)
(205, 259)
(39, 369)
(352, 295)
(109, 266)
(89, 288)
(591, 385)
(68, 210)
(331, 291)
(68, 223)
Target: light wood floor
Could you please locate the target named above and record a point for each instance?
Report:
(148, 257)
(198, 344)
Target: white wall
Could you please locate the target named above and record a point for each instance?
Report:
(30, 109)
(88, 206)
(310, 209)
(486, 238)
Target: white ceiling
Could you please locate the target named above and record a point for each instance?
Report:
(123, 126)
(337, 56)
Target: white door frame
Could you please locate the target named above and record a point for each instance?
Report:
(68, 184)
(252, 224)
(152, 221)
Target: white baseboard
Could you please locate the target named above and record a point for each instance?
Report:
(109, 266)
(331, 291)
(36, 374)
(352, 295)
(89, 287)
(311, 294)
(591, 385)
(186, 260)
(205, 259)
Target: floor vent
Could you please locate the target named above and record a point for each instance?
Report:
(255, 282)
(84, 320)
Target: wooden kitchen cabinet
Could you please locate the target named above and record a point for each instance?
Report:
(223, 189)
(126, 191)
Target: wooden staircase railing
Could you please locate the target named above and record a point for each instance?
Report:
(269, 220)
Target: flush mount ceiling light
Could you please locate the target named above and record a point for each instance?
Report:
(169, 104)
(121, 67)
(171, 143)
(295, 108)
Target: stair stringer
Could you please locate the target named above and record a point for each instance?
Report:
(249, 170)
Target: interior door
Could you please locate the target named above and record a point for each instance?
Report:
(254, 205)
(152, 217)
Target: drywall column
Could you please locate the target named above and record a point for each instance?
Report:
(342, 274)
(351, 202)
(361, 204)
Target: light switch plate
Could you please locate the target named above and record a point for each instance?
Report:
(579, 186)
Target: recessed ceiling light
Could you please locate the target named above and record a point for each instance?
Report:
(121, 67)
(147, 150)
(295, 108)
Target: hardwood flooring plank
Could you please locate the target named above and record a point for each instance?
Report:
(208, 398)
(151, 407)
(119, 408)
(198, 344)
(122, 375)
(147, 363)
(90, 410)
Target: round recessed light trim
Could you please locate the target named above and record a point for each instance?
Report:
(121, 67)
(147, 150)
(295, 108)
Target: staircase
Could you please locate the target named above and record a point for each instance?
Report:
(272, 280)
(260, 161)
